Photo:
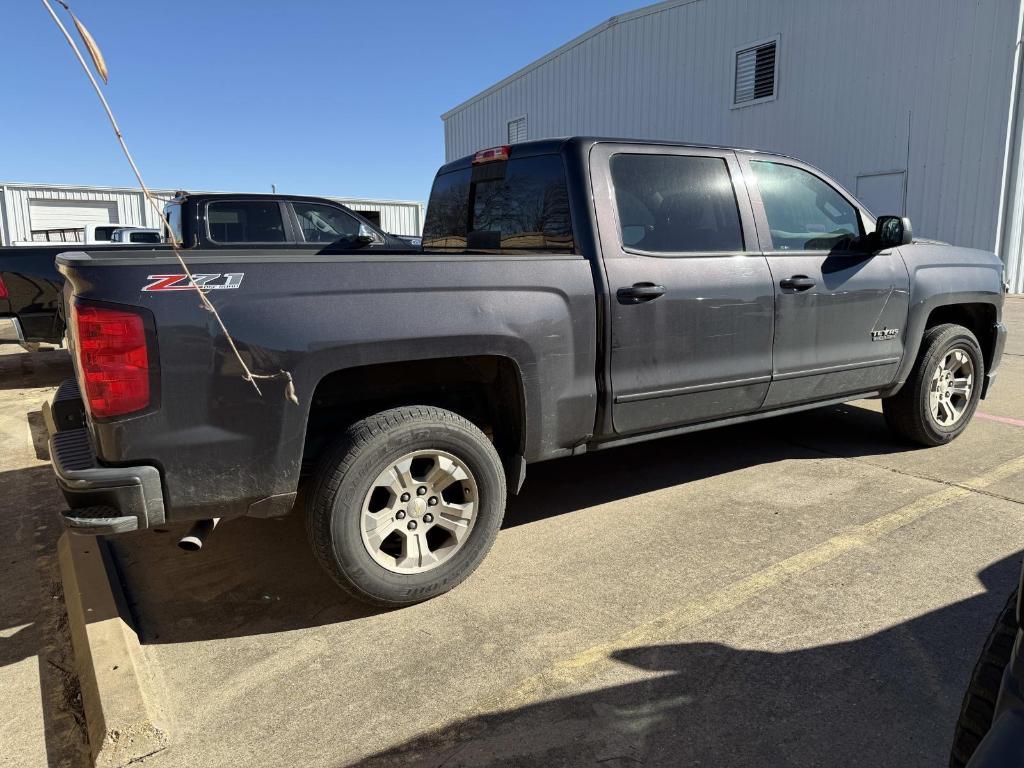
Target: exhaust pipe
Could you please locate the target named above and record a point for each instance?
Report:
(193, 540)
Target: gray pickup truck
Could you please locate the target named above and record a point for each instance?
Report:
(572, 295)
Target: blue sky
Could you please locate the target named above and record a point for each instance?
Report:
(317, 97)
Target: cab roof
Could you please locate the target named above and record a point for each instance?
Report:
(583, 143)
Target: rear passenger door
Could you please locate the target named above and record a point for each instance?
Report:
(839, 310)
(690, 296)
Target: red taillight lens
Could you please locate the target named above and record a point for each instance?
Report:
(492, 155)
(113, 359)
(3, 288)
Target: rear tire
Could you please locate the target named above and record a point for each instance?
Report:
(406, 505)
(932, 408)
(980, 701)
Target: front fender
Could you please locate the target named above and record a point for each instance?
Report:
(944, 276)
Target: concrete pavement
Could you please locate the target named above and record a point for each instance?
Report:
(800, 591)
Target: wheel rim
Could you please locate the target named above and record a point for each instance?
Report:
(419, 511)
(951, 387)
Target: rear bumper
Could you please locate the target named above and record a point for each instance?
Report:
(999, 334)
(10, 331)
(102, 500)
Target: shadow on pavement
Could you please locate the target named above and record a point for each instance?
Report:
(891, 698)
(259, 576)
(32, 616)
(27, 370)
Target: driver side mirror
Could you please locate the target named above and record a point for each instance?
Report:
(366, 236)
(892, 231)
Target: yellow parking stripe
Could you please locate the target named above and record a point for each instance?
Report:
(576, 670)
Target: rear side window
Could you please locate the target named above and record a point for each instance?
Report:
(245, 221)
(676, 203)
(144, 237)
(507, 206)
(804, 213)
(104, 233)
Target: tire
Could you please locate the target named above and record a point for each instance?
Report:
(349, 496)
(909, 412)
(980, 701)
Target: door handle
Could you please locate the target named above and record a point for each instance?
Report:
(798, 283)
(639, 293)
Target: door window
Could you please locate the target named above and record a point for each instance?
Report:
(804, 213)
(245, 221)
(325, 223)
(676, 203)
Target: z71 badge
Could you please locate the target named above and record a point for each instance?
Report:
(215, 282)
(885, 334)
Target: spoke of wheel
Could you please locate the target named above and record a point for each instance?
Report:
(376, 535)
(451, 511)
(954, 414)
(403, 471)
(415, 552)
(444, 473)
(961, 386)
(457, 528)
(391, 480)
(933, 403)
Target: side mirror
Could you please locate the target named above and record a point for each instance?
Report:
(892, 231)
(366, 236)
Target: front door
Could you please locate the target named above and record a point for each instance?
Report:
(690, 297)
(840, 312)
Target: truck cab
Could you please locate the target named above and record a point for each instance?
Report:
(224, 220)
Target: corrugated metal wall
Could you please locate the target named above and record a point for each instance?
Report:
(856, 82)
(398, 217)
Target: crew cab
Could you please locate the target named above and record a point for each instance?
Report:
(30, 283)
(572, 295)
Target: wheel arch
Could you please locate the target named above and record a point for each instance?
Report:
(976, 311)
(488, 390)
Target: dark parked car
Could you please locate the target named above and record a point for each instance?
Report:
(30, 284)
(572, 295)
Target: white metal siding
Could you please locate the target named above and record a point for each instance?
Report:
(396, 217)
(853, 78)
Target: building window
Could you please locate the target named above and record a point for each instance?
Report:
(517, 130)
(756, 74)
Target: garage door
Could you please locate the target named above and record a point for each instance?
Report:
(70, 214)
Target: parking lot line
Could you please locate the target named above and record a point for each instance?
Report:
(578, 669)
(1000, 419)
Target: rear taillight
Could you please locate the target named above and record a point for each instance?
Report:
(113, 360)
(3, 288)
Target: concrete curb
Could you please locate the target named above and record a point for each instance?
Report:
(122, 718)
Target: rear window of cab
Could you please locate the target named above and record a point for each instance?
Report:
(506, 206)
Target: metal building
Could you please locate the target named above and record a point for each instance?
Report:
(909, 104)
(41, 212)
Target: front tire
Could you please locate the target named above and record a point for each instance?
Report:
(406, 505)
(939, 398)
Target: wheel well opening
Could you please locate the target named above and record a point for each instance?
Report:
(484, 389)
(979, 318)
